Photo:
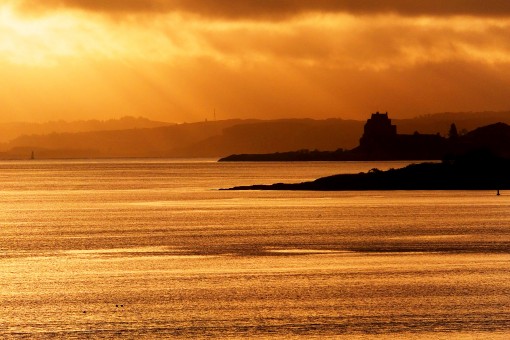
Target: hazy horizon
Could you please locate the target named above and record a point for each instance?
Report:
(121, 118)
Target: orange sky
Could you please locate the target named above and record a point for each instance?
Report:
(178, 60)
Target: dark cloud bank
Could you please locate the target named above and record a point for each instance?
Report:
(285, 8)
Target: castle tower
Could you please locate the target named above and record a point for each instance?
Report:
(378, 130)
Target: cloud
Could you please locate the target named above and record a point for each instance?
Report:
(173, 66)
(253, 9)
(341, 41)
(189, 91)
(333, 40)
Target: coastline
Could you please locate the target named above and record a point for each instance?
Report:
(473, 172)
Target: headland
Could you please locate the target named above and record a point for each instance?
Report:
(380, 141)
(474, 171)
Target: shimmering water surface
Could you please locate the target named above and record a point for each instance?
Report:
(151, 249)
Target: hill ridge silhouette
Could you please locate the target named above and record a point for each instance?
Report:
(215, 139)
(380, 141)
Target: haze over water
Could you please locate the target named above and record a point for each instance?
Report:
(151, 249)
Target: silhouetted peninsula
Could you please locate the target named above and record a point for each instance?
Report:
(475, 171)
(380, 141)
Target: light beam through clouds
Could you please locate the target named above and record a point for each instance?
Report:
(177, 60)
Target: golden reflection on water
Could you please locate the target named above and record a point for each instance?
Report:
(313, 294)
(92, 250)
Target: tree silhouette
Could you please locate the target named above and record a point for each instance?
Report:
(453, 134)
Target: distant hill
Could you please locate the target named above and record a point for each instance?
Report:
(440, 122)
(278, 136)
(165, 141)
(380, 141)
(204, 139)
(494, 137)
(10, 131)
(139, 137)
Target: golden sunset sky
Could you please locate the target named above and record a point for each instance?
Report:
(178, 60)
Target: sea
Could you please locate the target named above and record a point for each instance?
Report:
(152, 249)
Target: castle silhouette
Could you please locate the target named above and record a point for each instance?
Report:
(380, 140)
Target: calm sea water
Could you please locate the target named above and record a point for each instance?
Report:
(151, 249)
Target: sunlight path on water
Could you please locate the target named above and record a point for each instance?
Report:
(134, 249)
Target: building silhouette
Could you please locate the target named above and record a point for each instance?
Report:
(378, 128)
(380, 140)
